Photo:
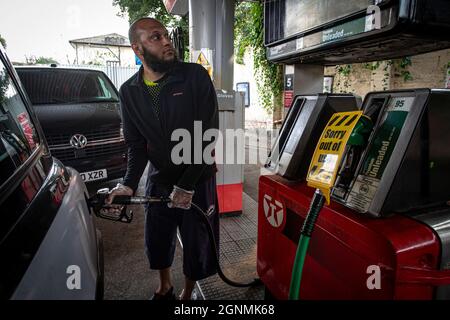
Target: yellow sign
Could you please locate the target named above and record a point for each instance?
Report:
(205, 63)
(329, 150)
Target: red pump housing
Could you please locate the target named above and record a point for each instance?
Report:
(345, 249)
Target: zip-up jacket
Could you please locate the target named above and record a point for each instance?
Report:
(187, 96)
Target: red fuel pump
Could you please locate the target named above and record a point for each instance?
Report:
(384, 234)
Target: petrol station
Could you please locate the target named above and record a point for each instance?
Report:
(354, 202)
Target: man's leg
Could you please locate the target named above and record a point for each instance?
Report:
(165, 281)
(160, 237)
(188, 288)
(198, 258)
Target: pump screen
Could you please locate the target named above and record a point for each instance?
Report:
(286, 18)
(299, 127)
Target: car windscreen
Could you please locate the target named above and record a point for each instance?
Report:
(65, 86)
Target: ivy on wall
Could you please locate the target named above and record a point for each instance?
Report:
(249, 34)
(400, 67)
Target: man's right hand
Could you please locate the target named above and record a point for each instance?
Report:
(119, 190)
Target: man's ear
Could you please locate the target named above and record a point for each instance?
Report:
(137, 50)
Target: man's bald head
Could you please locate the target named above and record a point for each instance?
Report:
(139, 25)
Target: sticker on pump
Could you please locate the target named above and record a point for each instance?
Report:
(379, 153)
(329, 150)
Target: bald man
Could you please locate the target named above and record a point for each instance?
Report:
(165, 95)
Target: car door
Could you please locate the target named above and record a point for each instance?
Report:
(46, 229)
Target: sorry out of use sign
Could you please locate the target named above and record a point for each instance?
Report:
(329, 150)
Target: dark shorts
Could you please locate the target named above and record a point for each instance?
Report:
(161, 229)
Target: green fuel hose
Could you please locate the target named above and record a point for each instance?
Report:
(302, 249)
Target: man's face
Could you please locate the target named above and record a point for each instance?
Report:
(154, 47)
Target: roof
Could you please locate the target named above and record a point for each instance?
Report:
(47, 67)
(111, 39)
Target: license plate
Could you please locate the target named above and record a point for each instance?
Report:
(94, 175)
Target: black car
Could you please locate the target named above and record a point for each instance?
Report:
(79, 113)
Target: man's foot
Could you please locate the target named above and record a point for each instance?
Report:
(169, 295)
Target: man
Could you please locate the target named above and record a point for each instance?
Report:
(166, 95)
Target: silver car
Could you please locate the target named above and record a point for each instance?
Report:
(49, 245)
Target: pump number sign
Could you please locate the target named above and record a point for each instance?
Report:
(329, 150)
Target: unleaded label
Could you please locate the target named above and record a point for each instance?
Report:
(380, 152)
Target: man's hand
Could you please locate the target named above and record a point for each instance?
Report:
(180, 198)
(119, 190)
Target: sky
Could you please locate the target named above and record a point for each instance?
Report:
(44, 27)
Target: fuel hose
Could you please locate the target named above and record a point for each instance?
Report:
(128, 200)
(302, 248)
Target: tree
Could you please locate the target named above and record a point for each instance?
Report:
(2, 41)
(41, 60)
(154, 8)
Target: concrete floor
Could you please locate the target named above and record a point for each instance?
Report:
(128, 277)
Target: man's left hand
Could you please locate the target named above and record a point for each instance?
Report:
(180, 198)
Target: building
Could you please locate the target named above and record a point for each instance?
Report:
(109, 49)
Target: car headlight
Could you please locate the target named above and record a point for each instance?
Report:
(121, 131)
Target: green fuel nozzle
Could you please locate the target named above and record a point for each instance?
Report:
(361, 132)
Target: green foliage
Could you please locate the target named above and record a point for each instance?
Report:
(41, 60)
(402, 66)
(344, 70)
(372, 65)
(4, 83)
(249, 34)
(405, 62)
(155, 9)
(46, 60)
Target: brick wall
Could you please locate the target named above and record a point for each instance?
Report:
(426, 71)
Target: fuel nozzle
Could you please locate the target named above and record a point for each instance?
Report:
(355, 145)
(101, 209)
(361, 132)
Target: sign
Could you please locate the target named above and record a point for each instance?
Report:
(379, 153)
(336, 33)
(273, 210)
(288, 90)
(201, 59)
(245, 88)
(329, 151)
(328, 84)
(288, 98)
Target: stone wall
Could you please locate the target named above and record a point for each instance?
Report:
(428, 70)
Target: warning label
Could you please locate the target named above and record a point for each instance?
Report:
(363, 192)
(329, 151)
(205, 63)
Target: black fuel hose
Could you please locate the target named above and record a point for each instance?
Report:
(128, 200)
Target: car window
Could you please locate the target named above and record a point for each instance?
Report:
(65, 86)
(18, 137)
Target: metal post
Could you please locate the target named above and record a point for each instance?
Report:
(211, 31)
(225, 44)
(202, 31)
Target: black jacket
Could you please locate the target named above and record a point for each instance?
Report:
(188, 96)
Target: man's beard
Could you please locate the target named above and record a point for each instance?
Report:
(159, 65)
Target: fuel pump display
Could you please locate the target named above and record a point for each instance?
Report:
(402, 168)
